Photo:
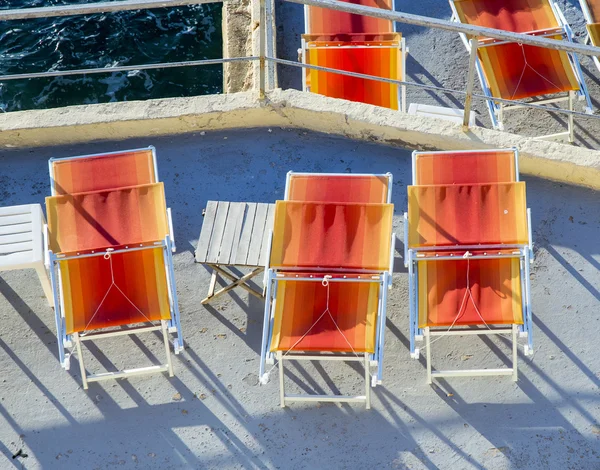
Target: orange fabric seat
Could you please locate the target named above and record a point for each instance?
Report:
(338, 188)
(328, 21)
(140, 294)
(380, 57)
(331, 235)
(494, 283)
(444, 168)
(98, 220)
(467, 215)
(102, 172)
(515, 71)
(353, 305)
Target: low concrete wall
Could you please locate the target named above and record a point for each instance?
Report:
(290, 108)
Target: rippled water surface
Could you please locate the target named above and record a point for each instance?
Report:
(104, 40)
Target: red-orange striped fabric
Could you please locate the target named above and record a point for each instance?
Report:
(514, 71)
(328, 21)
(140, 294)
(519, 16)
(467, 215)
(102, 172)
(442, 168)
(378, 58)
(98, 220)
(332, 235)
(353, 306)
(338, 188)
(494, 283)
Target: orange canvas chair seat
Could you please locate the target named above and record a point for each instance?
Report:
(110, 254)
(445, 216)
(103, 219)
(328, 274)
(381, 57)
(467, 239)
(139, 293)
(338, 188)
(328, 21)
(514, 71)
(301, 304)
(495, 285)
(591, 12)
(331, 235)
(103, 171)
(445, 168)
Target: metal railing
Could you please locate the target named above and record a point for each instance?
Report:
(264, 59)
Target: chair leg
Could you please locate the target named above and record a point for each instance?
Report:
(80, 359)
(281, 372)
(165, 331)
(213, 282)
(45, 281)
(571, 118)
(367, 384)
(428, 346)
(515, 374)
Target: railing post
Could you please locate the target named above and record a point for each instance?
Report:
(262, 45)
(472, 58)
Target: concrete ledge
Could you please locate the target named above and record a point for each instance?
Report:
(290, 108)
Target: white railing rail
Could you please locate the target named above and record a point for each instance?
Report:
(266, 32)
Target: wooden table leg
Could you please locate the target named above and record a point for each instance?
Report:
(241, 282)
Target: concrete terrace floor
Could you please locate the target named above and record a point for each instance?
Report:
(214, 414)
(439, 58)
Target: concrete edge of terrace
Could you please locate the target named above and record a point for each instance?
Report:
(290, 109)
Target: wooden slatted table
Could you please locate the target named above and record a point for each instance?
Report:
(234, 234)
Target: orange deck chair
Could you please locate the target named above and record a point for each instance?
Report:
(510, 71)
(468, 250)
(591, 12)
(358, 44)
(327, 276)
(110, 254)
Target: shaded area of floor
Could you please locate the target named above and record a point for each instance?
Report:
(214, 414)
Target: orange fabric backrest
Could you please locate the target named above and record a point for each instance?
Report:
(98, 220)
(338, 188)
(103, 172)
(328, 21)
(467, 215)
(332, 235)
(594, 7)
(443, 168)
(378, 58)
(519, 16)
(140, 294)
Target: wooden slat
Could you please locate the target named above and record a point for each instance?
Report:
(217, 233)
(206, 232)
(16, 228)
(20, 260)
(257, 235)
(15, 219)
(236, 211)
(16, 210)
(16, 247)
(244, 243)
(265, 240)
(16, 238)
(238, 232)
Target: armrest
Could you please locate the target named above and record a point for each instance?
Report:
(171, 233)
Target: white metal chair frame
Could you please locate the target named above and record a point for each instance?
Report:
(496, 108)
(273, 276)
(412, 257)
(587, 14)
(75, 340)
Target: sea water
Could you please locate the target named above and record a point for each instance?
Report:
(108, 40)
